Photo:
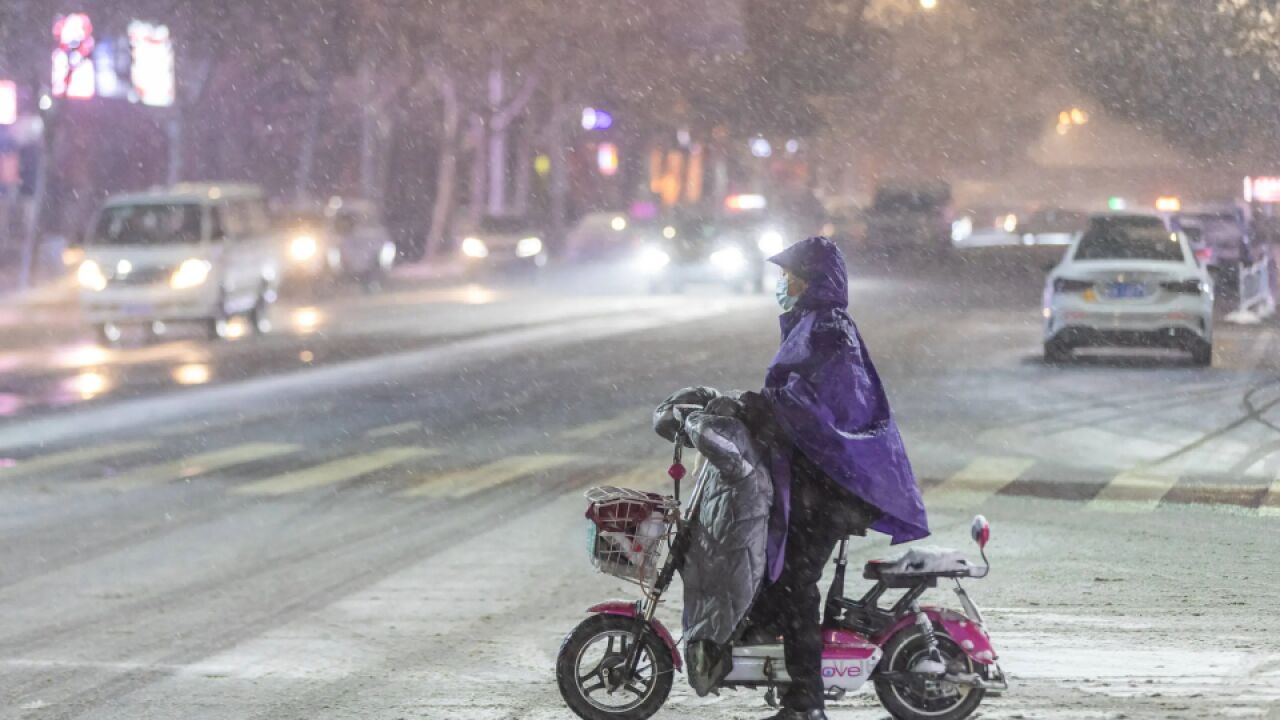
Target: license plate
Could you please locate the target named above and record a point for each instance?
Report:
(1121, 291)
(136, 310)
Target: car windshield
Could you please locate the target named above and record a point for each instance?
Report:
(158, 224)
(503, 224)
(1129, 240)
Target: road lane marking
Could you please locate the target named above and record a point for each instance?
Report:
(56, 461)
(603, 428)
(192, 465)
(397, 429)
(331, 473)
(979, 480)
(469, 481)
(1134, 491)
(214, 424)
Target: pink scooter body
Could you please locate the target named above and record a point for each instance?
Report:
(628, 609)
(970, 635)
(846, 654)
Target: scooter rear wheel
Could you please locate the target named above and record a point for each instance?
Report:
(926, 698)
(590, 660)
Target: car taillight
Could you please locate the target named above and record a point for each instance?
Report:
(1186, 287)
(1072, 286)
(1204, 254)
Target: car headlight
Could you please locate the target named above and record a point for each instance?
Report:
(474, 247)
(90, 276)
(728, 260)
(771, 242)
(528, 247)
(303, 248)
(653, 260)
(191, 273)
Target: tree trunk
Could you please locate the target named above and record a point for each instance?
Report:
(35, 210)
(524, 170)
(497, 150)
(557, 142)
(173, 132)
(307, 150)
(447, 167)
(368, 136)
(476, 139)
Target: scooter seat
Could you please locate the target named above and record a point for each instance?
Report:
(920, 563)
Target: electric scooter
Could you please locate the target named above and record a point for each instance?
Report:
(925, 662)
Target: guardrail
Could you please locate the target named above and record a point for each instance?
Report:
(1257, 299)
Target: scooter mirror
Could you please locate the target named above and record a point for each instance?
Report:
(980, 531)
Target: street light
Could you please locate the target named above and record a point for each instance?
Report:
(928, 4)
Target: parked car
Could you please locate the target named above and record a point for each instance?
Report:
(985, 227)
(345, 239)
(192, 253)
(1129, 280)
(1219, 237)
(503, 242)
(910, 217)
(1052, 226)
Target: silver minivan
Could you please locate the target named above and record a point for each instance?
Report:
(200, 253)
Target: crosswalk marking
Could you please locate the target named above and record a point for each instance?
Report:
(979, 480)
(461, 483)
(213, 424)
(336, 471)
(56, 461)
(397, 429)
(1134, 490)
(604, 428)
(192, 466)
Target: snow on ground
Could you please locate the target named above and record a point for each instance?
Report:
(1090, 626)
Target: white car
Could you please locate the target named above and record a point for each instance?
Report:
(191, 253)
(344, 239)
(1129, 281)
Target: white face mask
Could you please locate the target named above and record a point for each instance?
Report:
(785, 301)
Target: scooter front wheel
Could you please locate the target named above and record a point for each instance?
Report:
(918, 696)
(590, 665)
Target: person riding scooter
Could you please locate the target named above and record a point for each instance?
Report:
(837, 460)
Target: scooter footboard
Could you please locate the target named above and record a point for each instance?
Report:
(968, 634)
(628, 609)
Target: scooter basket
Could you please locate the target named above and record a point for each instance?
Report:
(628, 532)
